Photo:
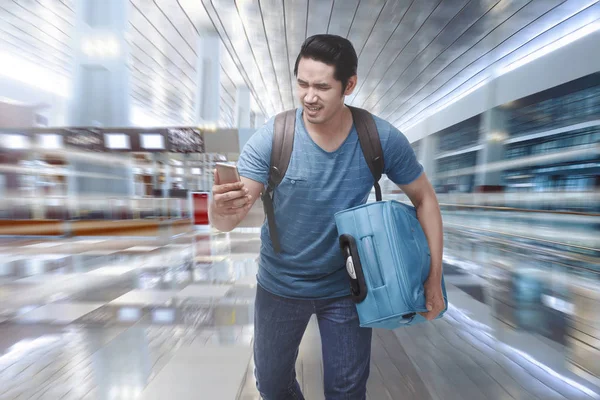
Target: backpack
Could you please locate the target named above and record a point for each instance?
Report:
(283, 143)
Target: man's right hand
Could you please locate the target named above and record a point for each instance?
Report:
(230, 199)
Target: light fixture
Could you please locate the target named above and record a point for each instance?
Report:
(50, 141)
(100, 47)
(14, 141)
(565, 40)
(497, 137)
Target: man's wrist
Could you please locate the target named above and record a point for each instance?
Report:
(435, 274)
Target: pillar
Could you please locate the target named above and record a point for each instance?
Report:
(101, 77)
(428, 149)
(259, 120)
(186, 171)
(208, 95)
(242, 107)
(492, 136)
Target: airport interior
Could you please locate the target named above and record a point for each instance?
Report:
(113, 113)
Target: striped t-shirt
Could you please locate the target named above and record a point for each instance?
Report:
(317, 184)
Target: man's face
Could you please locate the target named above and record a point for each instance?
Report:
(319, 92)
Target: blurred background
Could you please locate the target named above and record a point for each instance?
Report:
(113, 113)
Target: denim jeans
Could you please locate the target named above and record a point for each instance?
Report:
(279, 324)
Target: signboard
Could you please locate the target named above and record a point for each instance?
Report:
(185, 140)
(86, 139)
(96, 139)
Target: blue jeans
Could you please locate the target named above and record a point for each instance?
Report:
(279, 324)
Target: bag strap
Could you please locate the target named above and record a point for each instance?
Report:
(370, 144)
(281, 153)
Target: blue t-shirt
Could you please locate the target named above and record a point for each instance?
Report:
(317, 184)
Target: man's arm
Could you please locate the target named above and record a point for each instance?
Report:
(422, 195)
(227, 209)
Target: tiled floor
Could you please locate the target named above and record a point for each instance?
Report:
(155, 319)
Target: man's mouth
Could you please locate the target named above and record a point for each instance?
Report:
(313, 108)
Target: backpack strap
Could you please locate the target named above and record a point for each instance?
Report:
(281, 153)
(370, 144)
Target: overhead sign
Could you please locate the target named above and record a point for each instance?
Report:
(185, 140)
(87, 139)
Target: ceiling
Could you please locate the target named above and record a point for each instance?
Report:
(414, 55)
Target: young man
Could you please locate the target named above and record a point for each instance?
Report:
(327, 173)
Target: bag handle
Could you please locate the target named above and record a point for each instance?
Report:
(358, 285)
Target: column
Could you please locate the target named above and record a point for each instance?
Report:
(208, 95)
(167, 166)
(186, 171)
(243, 116)
(428, 149)
(259, 120)
(155, 172)
(242, 107)
(492, 136)
(101, 77)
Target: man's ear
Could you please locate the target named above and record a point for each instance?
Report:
(351, 85)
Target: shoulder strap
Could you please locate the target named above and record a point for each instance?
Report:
(370, 144)
(283, 144)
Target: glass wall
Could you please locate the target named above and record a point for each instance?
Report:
(550, 144)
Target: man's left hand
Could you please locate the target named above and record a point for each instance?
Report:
(434, 298)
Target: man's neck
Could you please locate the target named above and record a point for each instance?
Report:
(330, 135)
(334, 127)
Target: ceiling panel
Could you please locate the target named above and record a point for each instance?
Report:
(468, 79)
(364, 22)
(272, 14)
(255, 31)
(445, 14)
(319, 16)
(296, 14)
(471, 18)
(381, 44)
(516, 31)
(35, 31)
(231, 28)
(414, 55)
(342, 17)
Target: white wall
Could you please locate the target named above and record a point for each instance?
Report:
(573, 61)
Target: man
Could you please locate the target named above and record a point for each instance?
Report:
(327, 173)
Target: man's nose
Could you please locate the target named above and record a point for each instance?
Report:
(311, 96)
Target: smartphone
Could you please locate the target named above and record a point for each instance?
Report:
(227, 173)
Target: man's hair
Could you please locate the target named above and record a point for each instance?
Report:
(331, 50)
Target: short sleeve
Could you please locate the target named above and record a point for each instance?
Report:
(401, 164)
(255, 159)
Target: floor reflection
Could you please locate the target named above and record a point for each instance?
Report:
(100, 319)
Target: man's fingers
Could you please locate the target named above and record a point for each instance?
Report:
(235, 210)
(238, 203)
(225, 198)
(228, 187)
(428, 315)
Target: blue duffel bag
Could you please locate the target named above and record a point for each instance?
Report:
(388, 260)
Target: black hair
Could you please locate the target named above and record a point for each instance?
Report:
(332, 50)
